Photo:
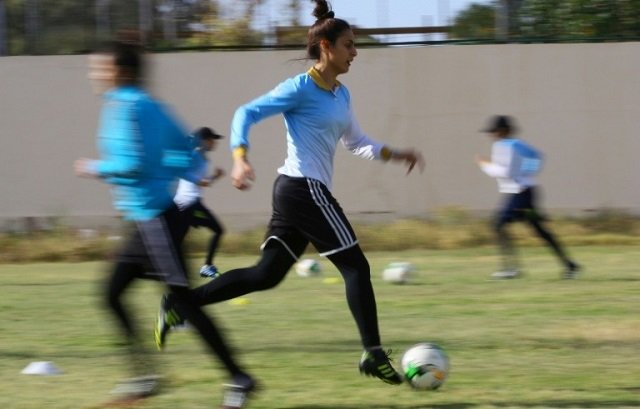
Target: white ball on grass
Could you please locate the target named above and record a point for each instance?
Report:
(308, 267)
(425, 366)
(397, 273)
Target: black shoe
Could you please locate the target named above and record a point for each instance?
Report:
(237, 393)
(167, 317)
(571, 272)
(376, 363)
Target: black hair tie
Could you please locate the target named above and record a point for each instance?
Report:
(328, 14)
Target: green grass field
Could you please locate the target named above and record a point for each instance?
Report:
(535, 342)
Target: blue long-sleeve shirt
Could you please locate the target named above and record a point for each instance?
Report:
(316, 117)
(143, 151)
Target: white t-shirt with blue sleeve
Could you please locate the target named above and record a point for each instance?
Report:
(514, 164)
(188, 191)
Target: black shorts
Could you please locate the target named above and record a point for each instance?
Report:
(152, 244)
(520, 206)
(197, 215)
(304, 211)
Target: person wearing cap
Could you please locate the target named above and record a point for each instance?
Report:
(515, 165)
(189, 195)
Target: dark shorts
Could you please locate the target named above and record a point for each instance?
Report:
(153, 245)
(197, 215)
(519, 206)
(305, 211)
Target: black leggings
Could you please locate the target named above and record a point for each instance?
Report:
(507, 247)
(200, 216)
(123, 275)
(273, 266)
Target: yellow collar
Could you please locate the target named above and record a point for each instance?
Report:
(317, 78)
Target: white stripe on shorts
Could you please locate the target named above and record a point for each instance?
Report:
(331, 214)
(279, 240)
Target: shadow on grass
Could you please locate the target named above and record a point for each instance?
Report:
(315, 346)
(547, 404)
(17, 354)
(42, 284)
(334, 406)
(320, 346)
(629, 279)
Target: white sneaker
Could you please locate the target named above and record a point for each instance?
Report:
(505, 275)
(138, 388)
(236, 394)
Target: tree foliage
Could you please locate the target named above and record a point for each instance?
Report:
(216, 31)
(72, 26)
(477, 22)
(553, 19)
(580, 18)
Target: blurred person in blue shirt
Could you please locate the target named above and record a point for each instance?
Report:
(515, 165)
(143, 151)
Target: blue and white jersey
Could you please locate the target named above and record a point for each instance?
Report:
(143, 151)
(514, 164)
(316, 117)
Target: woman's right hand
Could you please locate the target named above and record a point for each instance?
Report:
(242, 174)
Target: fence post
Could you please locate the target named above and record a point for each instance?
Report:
(4, 41)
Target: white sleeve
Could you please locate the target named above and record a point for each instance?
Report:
(501, 165)
(356, 141)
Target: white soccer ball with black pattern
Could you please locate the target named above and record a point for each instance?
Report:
(425, 366)
(308, 267)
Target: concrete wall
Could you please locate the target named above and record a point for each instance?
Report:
(579, 103)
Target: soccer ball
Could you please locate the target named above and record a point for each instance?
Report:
(308, 267)
(397, 273)
(425, 366)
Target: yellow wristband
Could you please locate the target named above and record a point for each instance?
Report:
(385, 153)
(239, 152)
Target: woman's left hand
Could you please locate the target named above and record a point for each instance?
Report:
(410, 157)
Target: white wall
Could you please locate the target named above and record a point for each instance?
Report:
(579, 103)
